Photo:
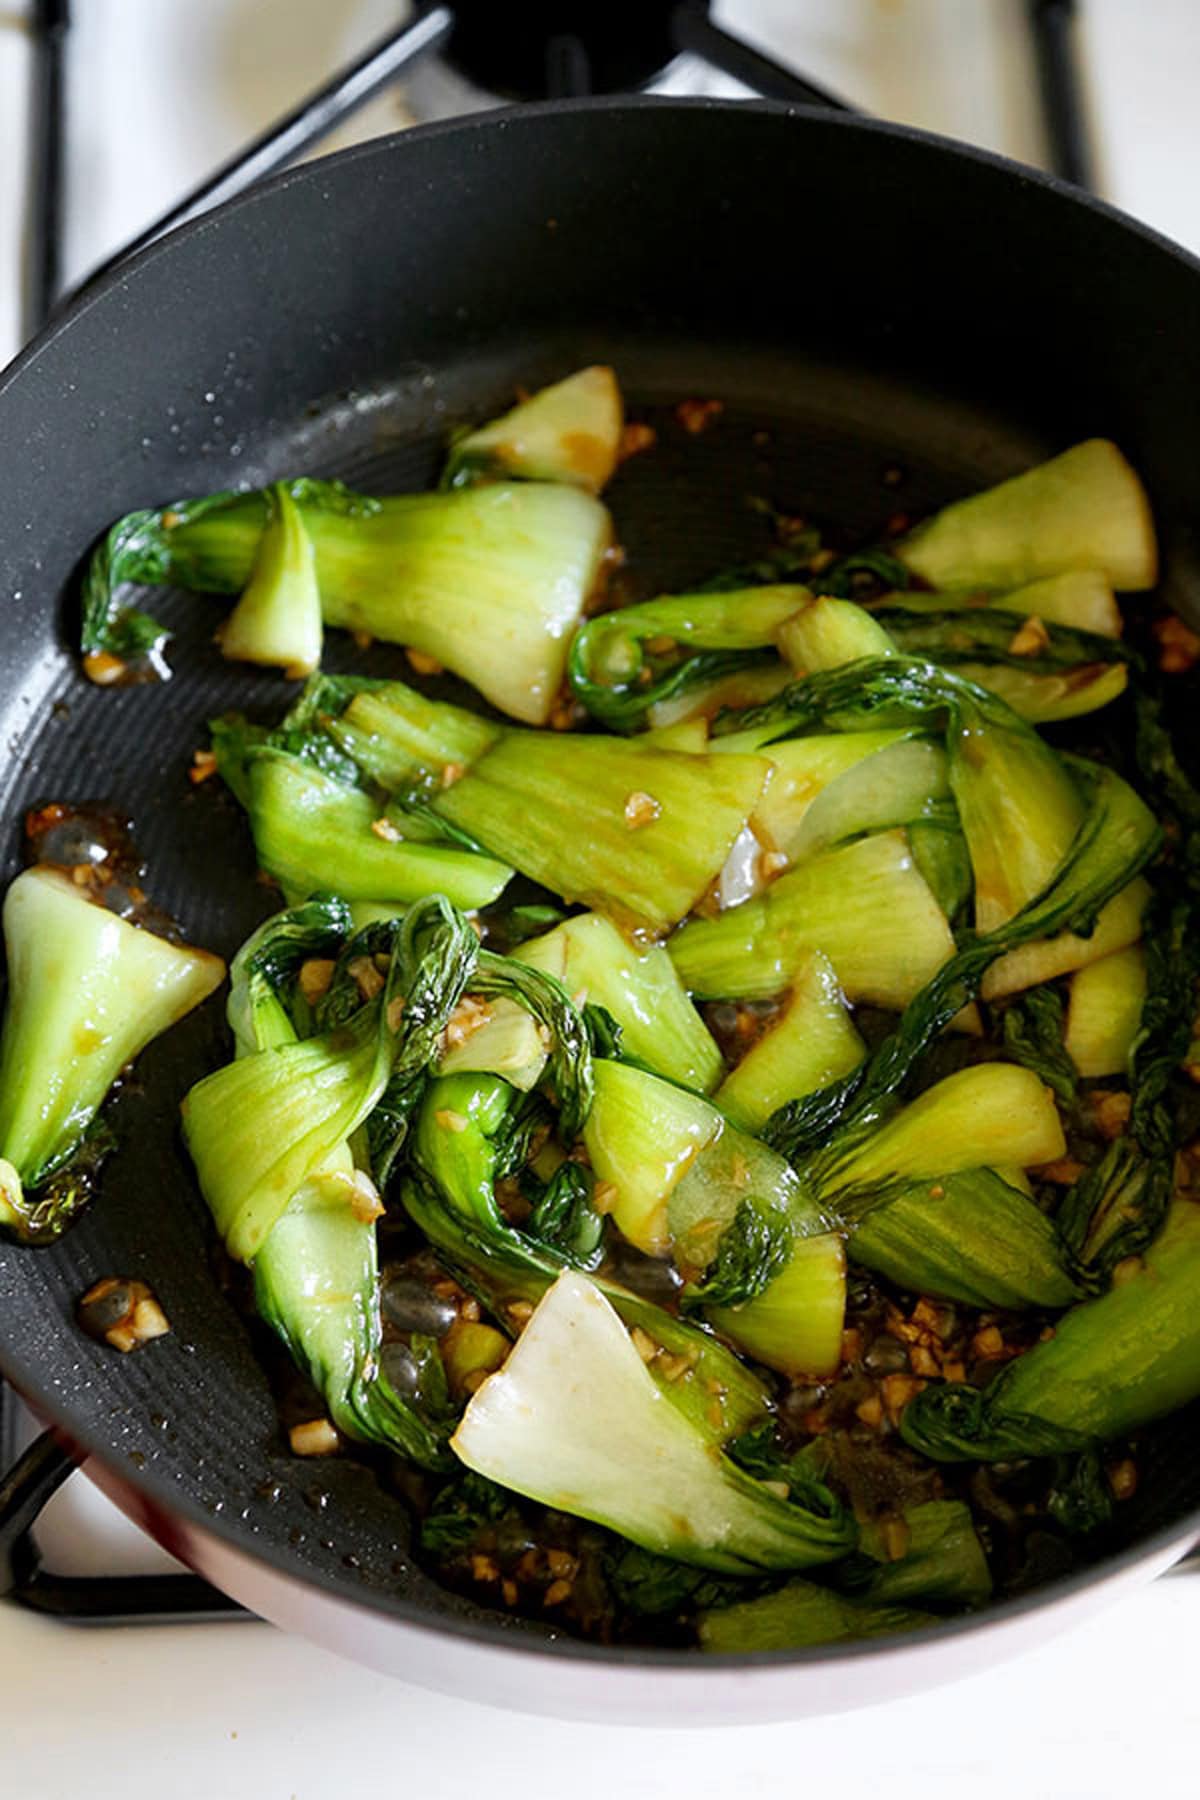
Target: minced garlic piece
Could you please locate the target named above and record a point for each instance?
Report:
(641, 809)
(423, 663)
(316, 1437)
(1029, 638)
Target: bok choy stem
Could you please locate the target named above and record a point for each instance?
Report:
(575, 1420)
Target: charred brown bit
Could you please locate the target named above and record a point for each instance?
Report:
(1122, 1479)
(897, 1391)
(1110, 1112)
(1179, 645)
(1063, 1172)
(365, 1202)
(469, 1016)
(367, 978)
(697, 415)
(634, 439)
(566, 713)
(204, 765)
(122, 1311)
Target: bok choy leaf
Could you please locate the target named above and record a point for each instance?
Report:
(1113, 1364)
(575, 1420)
(488, 581)
(1084, 509)
(316, 1276)
(624, 664)
(471, 1135)
(570, 432)
(87, 992)
(258, 1128)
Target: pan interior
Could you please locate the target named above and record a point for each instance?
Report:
(196, 1415)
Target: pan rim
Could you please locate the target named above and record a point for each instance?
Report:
(503, 118)
(157, 1486)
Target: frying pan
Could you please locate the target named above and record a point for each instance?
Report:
(866, 297)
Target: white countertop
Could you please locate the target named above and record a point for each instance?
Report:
(161, 91)
(239, 1712)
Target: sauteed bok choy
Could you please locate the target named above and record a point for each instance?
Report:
(714, 1105)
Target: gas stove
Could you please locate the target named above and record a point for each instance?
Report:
(106, 120)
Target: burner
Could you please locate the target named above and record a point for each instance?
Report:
(547, 49)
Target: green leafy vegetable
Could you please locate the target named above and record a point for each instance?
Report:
(277, 621)
(985, 1114)
(1117, 837)
(810, 1044)
(488, 581)
(1082, 598)
(260, 1127)
(1085, 509)
(570, 432)
(87, 991)
(1051, 671)
(1116, 1207)
(942, 1564)
(1113, 1364)
(638, 985)
(885, 946)
(575, 1419)
(799, 1616)
(970, 1236)
(1033, 1035)
(470, 1136)
(316, 834)
(827, 632)
(624, 663)
(638, 834)
(1105, 1012)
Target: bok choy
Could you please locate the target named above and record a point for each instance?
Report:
(1113, 1364)
(638, 833)
(87, 992)
(1085, 509)
(682, 1206)
(574, 1420)
(471, 1135)
(487, 581)
(570, 431)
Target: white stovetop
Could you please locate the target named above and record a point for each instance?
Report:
(161, 91)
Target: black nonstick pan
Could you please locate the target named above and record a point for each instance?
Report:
(861, 298)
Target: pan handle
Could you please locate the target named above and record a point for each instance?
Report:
(31, 1481)
(95, 1600)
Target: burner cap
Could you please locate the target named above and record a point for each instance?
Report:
(540, 49)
